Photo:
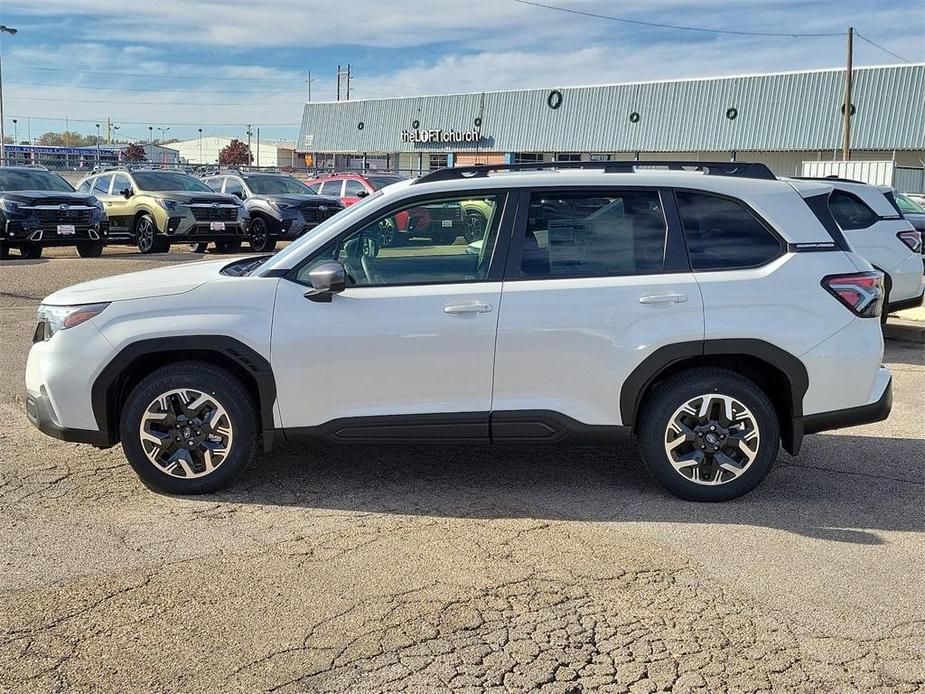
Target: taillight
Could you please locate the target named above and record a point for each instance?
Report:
(861, 292)
(912, 238)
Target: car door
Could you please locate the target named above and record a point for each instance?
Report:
(596, 281)
(119, 207)
(354, 191)
(407, 349)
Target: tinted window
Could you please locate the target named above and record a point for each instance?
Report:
(269, 185)
(850, 211)
(215, 183)
(25, 179)
(233, 186)
(378, 182)
(101, 185)
(331, 188)
(120, 183)
(354, 188)
(594, 234)
(170, 181)
(722, 234)
(443, 246)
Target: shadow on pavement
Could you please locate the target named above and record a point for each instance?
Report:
(820, 494)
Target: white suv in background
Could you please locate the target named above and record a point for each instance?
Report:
(712, 312)
(874, 226)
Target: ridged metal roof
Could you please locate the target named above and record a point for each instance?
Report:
(776, 112)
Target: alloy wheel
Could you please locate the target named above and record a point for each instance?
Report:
(259, 234)
(186, 433)
(144, 233)
(712, 439)
(475, 226)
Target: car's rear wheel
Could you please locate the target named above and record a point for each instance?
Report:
(197, 247)
(189, 428)
(475, 226)
(708, 434)
(89, 249)
(261, 239)
(31, 251)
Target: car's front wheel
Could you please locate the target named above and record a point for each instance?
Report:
(708, 434)
(146, 237)
(189, 428)
(197, 247)
(261, 239)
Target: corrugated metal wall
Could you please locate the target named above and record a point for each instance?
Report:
(780, 112)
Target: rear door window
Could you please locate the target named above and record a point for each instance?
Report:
(599, 234)
(723, 234)
(332, 188)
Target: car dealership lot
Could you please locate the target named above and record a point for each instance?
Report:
(381, 568)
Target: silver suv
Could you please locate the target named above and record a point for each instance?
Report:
(281, 207)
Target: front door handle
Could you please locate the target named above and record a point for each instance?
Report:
(454, 309)
(663, 299)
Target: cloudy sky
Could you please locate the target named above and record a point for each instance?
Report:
(218, 65)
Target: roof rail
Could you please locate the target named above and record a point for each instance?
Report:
(710, 168)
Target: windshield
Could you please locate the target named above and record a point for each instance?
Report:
(274, 185)
(383, 181)
(276, 260)
(170, 181)
(12, 179)
(909, 205)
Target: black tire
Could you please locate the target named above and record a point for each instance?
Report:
(197, 247)
(146, 236)
(261, 236)
(475, 226)
(885, 310)
(89, 249)
(4, 252)
(669, 396)
(216, 383)
(31, 251)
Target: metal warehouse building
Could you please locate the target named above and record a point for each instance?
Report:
(780, 119)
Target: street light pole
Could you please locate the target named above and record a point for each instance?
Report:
(97, 145)
(151, 134)
(201, 162)
(11, 32)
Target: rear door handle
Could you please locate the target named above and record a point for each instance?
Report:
(663, 299)
(454, 309)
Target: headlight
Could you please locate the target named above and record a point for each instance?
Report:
(55, 318)
(169, 205)
(283, 206)
(97, 203)
(8, 205)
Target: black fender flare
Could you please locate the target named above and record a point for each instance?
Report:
(231, 351)
(642, 377)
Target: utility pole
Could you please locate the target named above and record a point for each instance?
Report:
(249, 133)
(11, 32)
(308, 83)
(258, 148)
(97, 146)
(846, 107)
(345, 74)
(200, 147)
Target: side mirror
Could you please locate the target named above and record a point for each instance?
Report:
(327, 280)
(126, 193)
(362, 193)
(238, 194)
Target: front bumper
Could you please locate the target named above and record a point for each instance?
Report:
(40, 413)
(16, 233)
(182, 229)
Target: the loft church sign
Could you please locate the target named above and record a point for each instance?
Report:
(438, 136)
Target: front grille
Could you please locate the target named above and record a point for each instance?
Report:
(311, 213)
(69, 216)
(215, 214)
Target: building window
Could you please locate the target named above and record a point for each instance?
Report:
(568, 157)
(438, 161)
(602, 157)
(528, 158)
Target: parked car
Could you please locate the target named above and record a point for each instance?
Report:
(917, 198)
(440, 224)
(39, 208)
(154, 208)
(871, 221)
(914, 213)
(713, 316)
(280, 206)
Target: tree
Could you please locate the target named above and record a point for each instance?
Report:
(235, 154)
(68, 139)
(134, 152)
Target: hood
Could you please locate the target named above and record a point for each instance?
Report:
(47, 197)
(163, 281)
(192, 196)
(297, 199)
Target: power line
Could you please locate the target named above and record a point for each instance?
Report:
(657, 25)
(154, 103)
(144, 89)
(147, 122)
(877, 45)
(141, 74)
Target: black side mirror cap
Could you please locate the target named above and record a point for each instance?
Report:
(327, 280)
(126, 193)
(362, 193)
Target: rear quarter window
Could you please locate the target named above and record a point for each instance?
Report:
(850, 211)
(723, 234)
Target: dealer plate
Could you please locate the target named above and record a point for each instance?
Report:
(66, 230)
(217, 226)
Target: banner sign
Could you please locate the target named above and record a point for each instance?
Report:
(437, 136)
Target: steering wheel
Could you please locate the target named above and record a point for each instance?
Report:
(372, 277)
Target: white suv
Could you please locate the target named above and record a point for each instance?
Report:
(874, 226)
(714, 313)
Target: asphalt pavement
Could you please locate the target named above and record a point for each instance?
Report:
(419, 569)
